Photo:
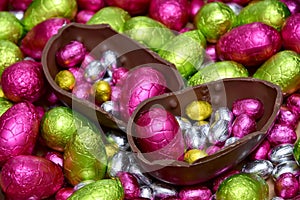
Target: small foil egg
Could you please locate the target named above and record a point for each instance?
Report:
(162, 190)
(130, 185)
(290, 33)
(196, 137)
(243, 125)
(118, 163)
(284, 167)
(23, 80)
(219, 132)
(65, 80)
(94, 71)
(55, 157)
(71, 54)
(64, 193)
(193, 192)
(198, 110)
(101, 91)
(158, 136)
(287, 117)
(286, 186)
(261, 152)
(212, 149)
(30, 177)
(193, 155)
(280, 134)
(293, 103)
(219, 179)
(82, 90)
(90, 4)
(280, 153)
(172, 13)
(78, 74)
(263, 168)
(194, 7)
(118, 74)
(109, 59)
(83, 16)
(251, 106)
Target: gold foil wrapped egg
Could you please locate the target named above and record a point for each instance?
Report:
(194, 154)
(198, 110)
(65, 80)
(101, 91)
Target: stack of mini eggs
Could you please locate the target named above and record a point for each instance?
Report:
(49, 151)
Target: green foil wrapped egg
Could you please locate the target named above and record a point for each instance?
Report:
(148, 32)
(270, 12)
(186, 53)
(59, 124)
(218, 70)
(40, 10)
(5, 104)
(85, 156)
(105, 189)
(214, 20)
(243, 186)
(10, 27)
(282, 69)
(113, 16)
(197, 35)
(10, 53)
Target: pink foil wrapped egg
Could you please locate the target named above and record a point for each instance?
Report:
(78, 74)
(134, 7)
(287, 117)
(194, 7)
(64, 193)
(35, 40)
(55, 157)
(261, 152)
(93, 5)
(140, 84)
(250, 106)
(23, 80)
(130, 185)
(84, 16)
(19, 128)
(194, 192)
(118, 74)
(243, 125)
(293, 102)
(286, 185)
(20, 4)
(172, 13)
(280, 134)
(293, 5)
(290, 33)
(71, 54)
(249, 44)
(82, 90)
(30, 177)
(158, 135)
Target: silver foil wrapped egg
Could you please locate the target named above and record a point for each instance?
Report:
(196, 137)
(263, 168)
(219, 132)
(94, 71)
(284, 167)
(280, 153)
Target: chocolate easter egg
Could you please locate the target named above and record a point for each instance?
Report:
(19, 127)
(290, 33)
(250, 44)
(23, 80)
(30, 177)
(10, 27)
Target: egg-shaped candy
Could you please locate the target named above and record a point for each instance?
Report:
(39, 11)
(194, 7)
(281, 69)
(64, 193)
(250, 106)
(10, 27)
(65, 80)
(85, 156)
(286, 186)
(270, 12)
(30, 177)
(84, 16)
(194, 192)
(19, 128)
(172, 13)
(130, 185)
(250, 44)
(280, 134)
(134, 7)
(293, 5)
(158, 135)
(243, 125)
(290, 33)
(20, 4)
(35, 40)
(114, 16)
(93, 5)
(23, 80)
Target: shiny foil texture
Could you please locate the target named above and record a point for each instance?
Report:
(293, 5)
(71, 54)
(286, 186)
(281, 69)
(140, 84)
(134, 7)
(194, 192)
(10, 27)
(250, 106)
(293, 103)
(261, 152)
(280, 134)
(19, 127)
(35, 40)
(39, 11)
(84, 16)
(20, 4)
(30, 177)
(130, 185)
(194, 7)
(290, 33)
(287, 117)
(93, 5)
(84, 156)
(23, 80)
(172, 13)
(243, 125)
(249, 44)
(158, 136)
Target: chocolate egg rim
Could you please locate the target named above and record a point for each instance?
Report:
(261, 133)
(82, 29)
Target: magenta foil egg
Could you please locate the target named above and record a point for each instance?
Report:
(35, 40)
(71, 54)
(119, 73)
(83, 16)
(19, 128)
(243, 125)
(78, 74)
(194, 7)
(172, 13)
(261, 152)
(30, 177)
(82, 90)
(293, 5)
(64, 193)
(55, 157)
(134, 7)
(250, 44)
(20, 4)
(286, 185)
(194, 192)
(211, 52)
(250, 106)
(23, 80)
(158, 135)
(290, 33)
(93, 5)
(293, 102)
(130, 185)
(140, 84)
(287, 117)
(280, 134)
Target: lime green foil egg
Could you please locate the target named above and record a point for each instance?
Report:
(106, 189)
(85, 156)
(40, 10)
(270, 12)
(217, 71)
(10, 27)
(186, 53)
(243, 186)
(214, 20)
(282, 69)
(113, 16)
(148, 32)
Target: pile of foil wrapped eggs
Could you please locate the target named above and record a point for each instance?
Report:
(49, 151)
